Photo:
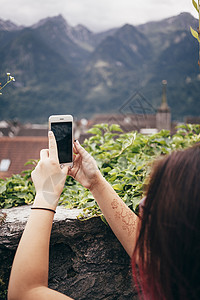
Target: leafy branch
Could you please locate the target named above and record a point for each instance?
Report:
(195, 33)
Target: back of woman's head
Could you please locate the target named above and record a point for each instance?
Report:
(168, 246)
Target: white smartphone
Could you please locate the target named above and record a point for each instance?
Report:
(62, 127)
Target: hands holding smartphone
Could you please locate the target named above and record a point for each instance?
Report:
(59, 161)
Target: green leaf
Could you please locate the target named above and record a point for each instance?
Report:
(106, 170)
(103, 219)
(8, 205)
(195, 34)
(114, 171)
(32, 162)
(101, 126)
(118, 187)
(95, 131)
(2, 188)
(115, 127)
(195, 5)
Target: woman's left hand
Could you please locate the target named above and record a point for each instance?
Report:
(48, 177)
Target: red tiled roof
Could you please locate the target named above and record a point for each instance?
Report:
(19, 150)
(32, 132)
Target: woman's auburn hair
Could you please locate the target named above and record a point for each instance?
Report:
(168, 245)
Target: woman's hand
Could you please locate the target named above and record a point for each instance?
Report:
(84, 169)
(48, 177)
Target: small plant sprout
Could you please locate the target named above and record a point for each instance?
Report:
(195, 33)
(9, 79)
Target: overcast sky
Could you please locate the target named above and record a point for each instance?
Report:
(97, 15)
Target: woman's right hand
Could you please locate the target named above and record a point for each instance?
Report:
(84, 169)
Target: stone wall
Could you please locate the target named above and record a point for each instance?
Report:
(86, 259)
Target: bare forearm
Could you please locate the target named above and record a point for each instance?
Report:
(121, 219)
(30, 266)
(29, 275)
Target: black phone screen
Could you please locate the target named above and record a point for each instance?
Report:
(63, 135)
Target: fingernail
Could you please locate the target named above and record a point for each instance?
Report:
(50, 133)
(76, 141)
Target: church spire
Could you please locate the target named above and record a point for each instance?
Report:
(164, 106)
(163, 116)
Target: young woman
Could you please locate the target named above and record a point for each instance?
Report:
(164, 241)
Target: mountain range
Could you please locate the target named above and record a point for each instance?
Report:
(64, 69)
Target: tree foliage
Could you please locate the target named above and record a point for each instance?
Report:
(124, 159)
(195, 33)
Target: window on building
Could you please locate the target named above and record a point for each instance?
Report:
(4, 165)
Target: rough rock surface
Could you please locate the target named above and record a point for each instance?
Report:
(86, 259)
